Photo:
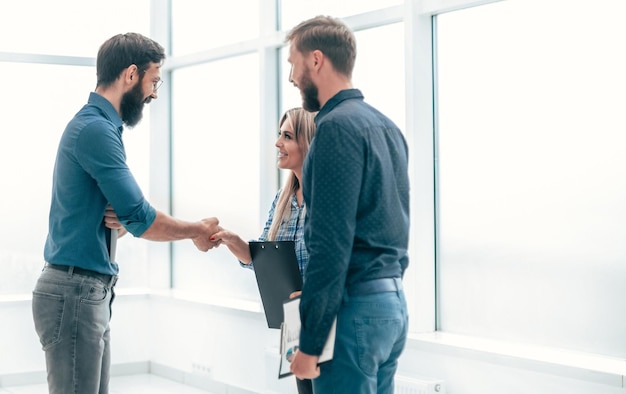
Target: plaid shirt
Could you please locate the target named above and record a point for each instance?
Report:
(290, 230)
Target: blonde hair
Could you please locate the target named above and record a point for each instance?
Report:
(303, 125)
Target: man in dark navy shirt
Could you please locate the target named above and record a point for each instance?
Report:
(74, 293)
(356, 188)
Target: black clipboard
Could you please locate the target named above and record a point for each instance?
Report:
(277, 275)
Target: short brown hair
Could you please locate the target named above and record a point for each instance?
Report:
(122, 50)
(329, 35)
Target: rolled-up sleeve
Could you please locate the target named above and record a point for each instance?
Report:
(103, 156)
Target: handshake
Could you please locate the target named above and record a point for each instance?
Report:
(206, 240)
(166, 228)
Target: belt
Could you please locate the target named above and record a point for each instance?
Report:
(109, 280)
(381, 285)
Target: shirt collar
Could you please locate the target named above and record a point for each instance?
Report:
(107, 109)
(342, 95)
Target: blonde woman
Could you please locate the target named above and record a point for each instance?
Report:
(285, 220)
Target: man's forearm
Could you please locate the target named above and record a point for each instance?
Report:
(167, 228)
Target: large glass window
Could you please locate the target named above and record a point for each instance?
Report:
(38, 100)
(531, 168)
(27, 160)
(198, 25)
(215, 145)
(69, 27)
(379, 70)
(295, 11)
(27, 157)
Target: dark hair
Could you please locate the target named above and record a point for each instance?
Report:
(122, 50)
(329, 35)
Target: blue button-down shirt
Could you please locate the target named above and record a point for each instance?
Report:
(291, 229)
(356, 189)
(90, 172)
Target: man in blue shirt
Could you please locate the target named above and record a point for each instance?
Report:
(356, 189)
(74, 293)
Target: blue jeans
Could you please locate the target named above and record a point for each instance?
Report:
(71, 314)
(371, 334)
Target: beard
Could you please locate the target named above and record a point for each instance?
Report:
(309, 93)
(131, 107)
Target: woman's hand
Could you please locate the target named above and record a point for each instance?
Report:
(237, 246)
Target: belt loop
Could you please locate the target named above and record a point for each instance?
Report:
(398, 283)
(70, 271)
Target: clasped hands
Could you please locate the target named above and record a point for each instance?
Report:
(204, 241)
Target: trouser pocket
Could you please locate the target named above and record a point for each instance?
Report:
(48, 316)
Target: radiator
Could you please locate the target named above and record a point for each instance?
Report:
(418, 385)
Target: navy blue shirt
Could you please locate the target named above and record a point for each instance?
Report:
(90, 172)
(356, 189)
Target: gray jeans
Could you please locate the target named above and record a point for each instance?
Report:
(71, 312)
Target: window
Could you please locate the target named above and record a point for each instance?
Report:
(69, 27)
(39, 99)
(198, 25)
(381, 51)
(215, 144)
(295, 11)
(531, 168)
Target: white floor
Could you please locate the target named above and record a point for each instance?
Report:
(135, 384)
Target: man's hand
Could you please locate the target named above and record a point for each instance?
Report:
(209, 227)
(304, 366)
(111, 221)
